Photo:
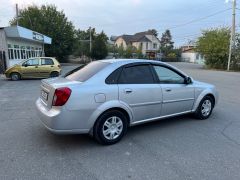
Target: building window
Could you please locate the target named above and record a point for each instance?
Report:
(154, 46)
(147, 46)
(141, 45)
(23, 52)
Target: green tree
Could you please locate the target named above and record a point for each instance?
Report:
(154, 31)
(81, 43)
(99, 49)
(53, 23)
(139, 53)
(214, 45)
(129, 51)
(120, 51)
(166, 43)
(236, 58)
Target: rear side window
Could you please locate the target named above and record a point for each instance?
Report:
(140, 74)
(113, 77)
(87, 71)
(47, 61)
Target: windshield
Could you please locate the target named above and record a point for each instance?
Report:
(87, 71)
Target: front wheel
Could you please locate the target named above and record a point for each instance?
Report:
(205, 108)
(110, 127)
(15, 76)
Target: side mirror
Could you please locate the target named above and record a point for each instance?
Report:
(188, 80)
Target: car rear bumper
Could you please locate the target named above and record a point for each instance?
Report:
(55, 120)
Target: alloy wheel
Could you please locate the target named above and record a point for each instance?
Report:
(112, 128)
(206, 107)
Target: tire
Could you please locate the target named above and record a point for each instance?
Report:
(54, 74)
(110, 127)
(15, 76)
(205, 108)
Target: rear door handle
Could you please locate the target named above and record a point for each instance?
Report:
(168, 90)
(127, 91)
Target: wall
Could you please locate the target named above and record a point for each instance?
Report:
(188, 57)
(154, 40)
(120, 42)
(192, 57)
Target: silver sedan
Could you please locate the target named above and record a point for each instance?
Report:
(106, 97)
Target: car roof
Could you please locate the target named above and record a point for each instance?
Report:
(120, 62)
(127, 61)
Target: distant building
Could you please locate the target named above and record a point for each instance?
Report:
(189, 54)
(146, 41)
(18, 43)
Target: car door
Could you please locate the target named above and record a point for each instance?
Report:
(178, 97)
(139, 91)
(30, 68)
(46, 67)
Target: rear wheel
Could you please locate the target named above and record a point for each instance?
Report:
(205, 108)
(110, 127)
(54, 74)
(15, 76)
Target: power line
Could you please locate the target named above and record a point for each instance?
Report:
(173, 27)
(199, 19)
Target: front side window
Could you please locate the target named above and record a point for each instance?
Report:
(31, 62)
(139, 74)
(168, 76)
(47, 61)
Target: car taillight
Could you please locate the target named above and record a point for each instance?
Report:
(61, 96)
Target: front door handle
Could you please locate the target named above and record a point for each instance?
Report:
(168, 90)
(127, 91)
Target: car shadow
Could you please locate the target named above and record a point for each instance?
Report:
(85, 140)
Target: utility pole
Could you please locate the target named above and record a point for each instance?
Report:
(17, 13)
(233, 35)
(90, 40)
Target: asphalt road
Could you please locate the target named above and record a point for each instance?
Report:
(176, 148)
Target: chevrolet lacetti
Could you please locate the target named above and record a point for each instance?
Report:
(106, 97)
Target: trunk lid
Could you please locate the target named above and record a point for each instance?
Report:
(49, 86)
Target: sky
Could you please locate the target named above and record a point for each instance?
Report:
(185, 18)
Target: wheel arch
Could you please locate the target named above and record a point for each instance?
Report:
(212, 96)
(201, 96)
(108, 106)
(17, 72)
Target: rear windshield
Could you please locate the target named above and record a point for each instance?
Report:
(87, 71)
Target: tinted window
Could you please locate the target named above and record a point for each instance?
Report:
(168, 76)
(31, 62)
(136, 75)
(88, 71)
(113, 77)
(74, 70)
(47, 61)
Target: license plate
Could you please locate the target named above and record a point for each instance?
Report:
(44, 95)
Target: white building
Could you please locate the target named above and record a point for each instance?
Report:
(146, 41)
(18, 43)
(190, 55)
